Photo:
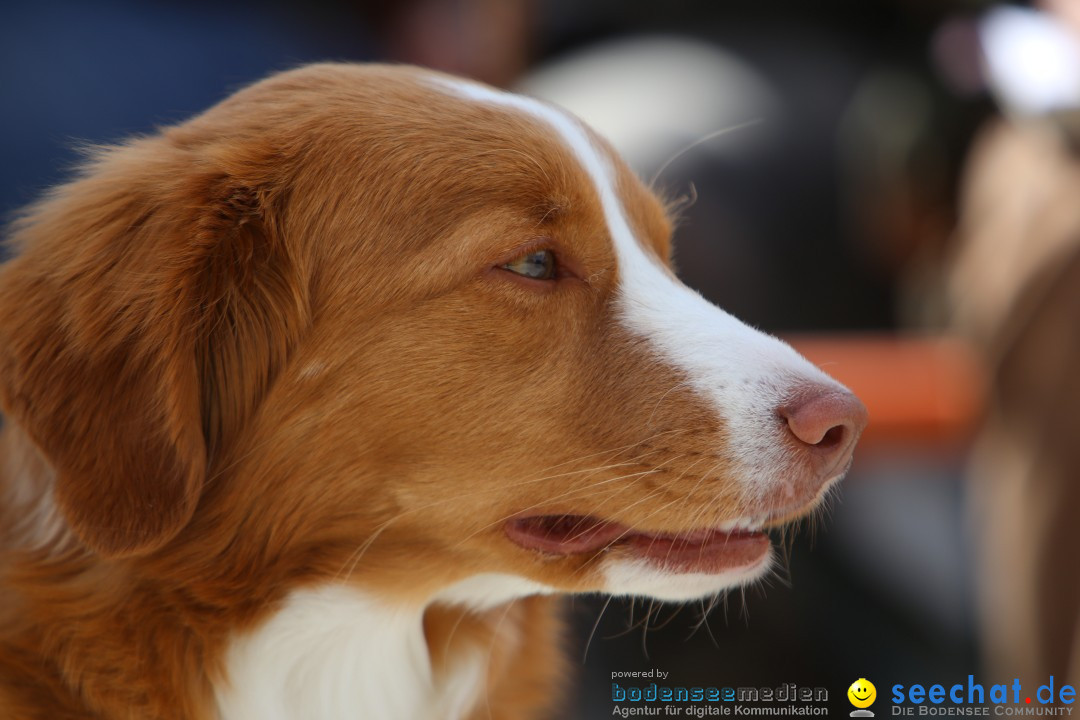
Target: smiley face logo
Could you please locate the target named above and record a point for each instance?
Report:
(862, 693)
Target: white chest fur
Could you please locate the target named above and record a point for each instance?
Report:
(333, 653)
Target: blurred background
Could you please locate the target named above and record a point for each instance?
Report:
(893, 185)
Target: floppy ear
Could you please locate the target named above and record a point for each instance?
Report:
(109, 312)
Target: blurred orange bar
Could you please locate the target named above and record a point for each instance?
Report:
(924, 390)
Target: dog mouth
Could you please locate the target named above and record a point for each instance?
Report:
(707, 550)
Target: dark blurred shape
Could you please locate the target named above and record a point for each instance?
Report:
(73, 73)
(1016, 291)
(488, 40)
(957, 54)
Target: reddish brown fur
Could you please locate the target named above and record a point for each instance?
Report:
(246, 346)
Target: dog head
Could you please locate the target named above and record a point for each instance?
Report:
(381, 325)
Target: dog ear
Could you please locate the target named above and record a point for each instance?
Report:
(121, 282)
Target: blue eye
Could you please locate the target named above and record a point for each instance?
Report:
(538, 265)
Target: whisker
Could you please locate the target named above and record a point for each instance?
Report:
(453, 631)
(658, 468)
(599, 617)
(714, 134)
(675, 610)
(545, 501)
(660, 509)
(633, 624)
(683, 383)
(705, 508)
(491, 651)
(645, 630)
(641, 500)
(713, 601)
(353, 560)
(355, 557)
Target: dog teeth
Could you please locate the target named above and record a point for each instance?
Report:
(743, 524)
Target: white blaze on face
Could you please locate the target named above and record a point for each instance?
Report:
(744, 374)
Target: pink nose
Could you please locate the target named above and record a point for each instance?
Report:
(825, 421)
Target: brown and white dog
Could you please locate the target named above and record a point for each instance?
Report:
(313, 402)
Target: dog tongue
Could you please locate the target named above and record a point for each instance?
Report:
(708, 551)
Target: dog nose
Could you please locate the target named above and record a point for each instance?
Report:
(825, 421)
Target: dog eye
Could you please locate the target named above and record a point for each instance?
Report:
(538, 265)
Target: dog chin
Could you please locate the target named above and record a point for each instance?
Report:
(643, 578)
